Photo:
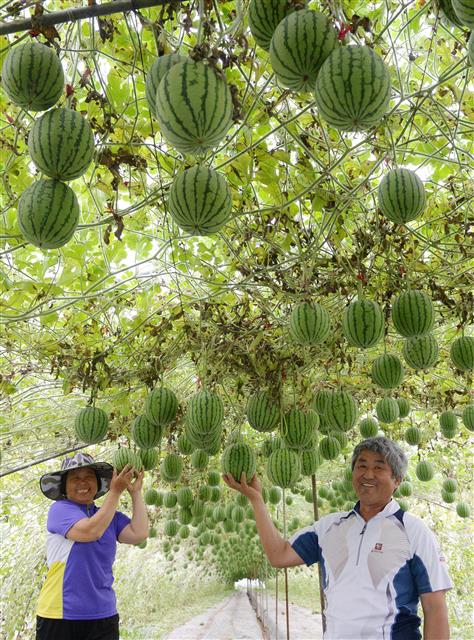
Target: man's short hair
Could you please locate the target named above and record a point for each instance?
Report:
(390, 450)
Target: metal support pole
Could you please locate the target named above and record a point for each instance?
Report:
(78, 13)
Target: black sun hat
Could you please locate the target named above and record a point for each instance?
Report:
(51, 483)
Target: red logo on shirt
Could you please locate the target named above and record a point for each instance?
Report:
(378, 547)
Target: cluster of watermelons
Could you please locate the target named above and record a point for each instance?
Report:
(60, 143)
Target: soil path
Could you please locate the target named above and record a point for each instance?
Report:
(235, 619)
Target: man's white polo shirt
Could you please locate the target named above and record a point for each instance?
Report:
(373, 572)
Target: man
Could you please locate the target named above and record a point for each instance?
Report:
(377, 560)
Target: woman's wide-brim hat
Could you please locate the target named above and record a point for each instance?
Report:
(52, 486)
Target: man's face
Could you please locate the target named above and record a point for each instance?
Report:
(81, 485)
(372, 479)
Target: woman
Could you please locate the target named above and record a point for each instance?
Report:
(77, 601)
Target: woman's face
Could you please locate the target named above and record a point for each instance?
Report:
(81, 485)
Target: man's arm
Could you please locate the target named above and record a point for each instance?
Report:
(435, 613)
(278, 550)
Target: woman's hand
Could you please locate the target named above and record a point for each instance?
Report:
(136, 486)
(252, 490)
(121, 481)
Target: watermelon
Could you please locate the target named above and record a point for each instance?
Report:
(184, 497)
(161, 406)
(341, 410)
(464, 10)
(401, 196)
(387, 410)
(310, 461)
(413, 314)
(413, 436)
(184, 532)
(145, 433)
(197, 507)
(297, 429)
(448, 420)
(159, 499)
(213, 478)
(403, 406)
(61, 144)
(353, 88)
(199, 459)
(468, 417)
(320, 401)
(274, 495)
(238, 514)
(91, 425)
(209, 441)
(463, 510)
(300, 44)
(424, 471)
(421, 352)
(462, 353)
(124, 456)
(32, 76)
(200, 201)
(450, 485)
(448, 497)
(48, 214)
(194, 107)
(152, 533)
(329, 448)
(171, 468)
(446, 8)
(283, 468)
(149, 458)
(238, 459)
(184, 515)
(155, 75)
(264, 16)
(368, 427)
(205, 411)
(184, 445)
(171, 528)
(387, 371)
(262, 413)
(341, 438)
(363, 323)
(309, 323)
(149, 496)
(405, 489)
(170, 499)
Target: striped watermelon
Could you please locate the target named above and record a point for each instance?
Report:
(310, 461)
(170, 499)
(320, 401)
(450, 485)
(424, 471)
(197, 507)
(149, 496)
(341, 410)
(283, 468)
(341, 438)
(468, 417)
(185, 446)
(463, 510)
(171, 528)
(448, 497)
(171, 467)
(274, 495)
(309, 323)
(464, 10)
(368, 427)
(185, 497)
(48, 214)
(262, 413)
(387, 410)
(200, 201)
(329, 448)
(413, 436)
(238, 514)
(387, 371)
(61, 144)
(213, 478)
(462, 353)
(353, 88)
(205, 411)
(184, 532)
(405, 489)
(210, 441)
(300, 44)
(401, 196)
(446, 8)
(155, 75)
(91, 424)
(199, 459)
(421, 352)
(149, 458)
(264, 16)
(238, 459)
(161, 406)
(32, 76)
(412, 313)
(403, 406)
(194, 107)
(146, 434)
(363, 323)
(297, 429)
(448, 423)
(124, 456)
